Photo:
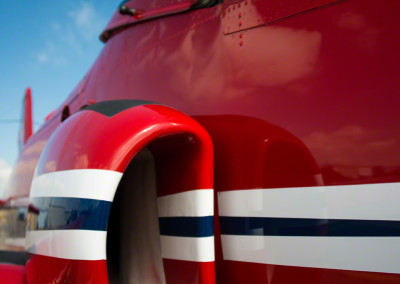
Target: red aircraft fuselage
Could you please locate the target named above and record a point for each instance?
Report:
(296, 95)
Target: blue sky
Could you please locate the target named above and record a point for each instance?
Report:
(48, 47)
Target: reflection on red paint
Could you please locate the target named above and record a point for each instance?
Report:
(310, 99)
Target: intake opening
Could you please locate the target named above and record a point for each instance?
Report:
(136, 251)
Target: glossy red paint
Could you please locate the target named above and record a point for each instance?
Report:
(27, 128)
(22, 174)
(241, 16)
(49, 115)
(144, 10)
(12, 274)
(266, 156)
(244, 272)
(182, 272)
(43, 269)
(74, 145)
(319, 88)
(309, 77)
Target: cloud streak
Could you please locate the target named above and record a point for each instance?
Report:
(69, 34)
(87, 20)
(50, 55)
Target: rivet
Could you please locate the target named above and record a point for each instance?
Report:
(241, 35)
(234, 7)
(245, 2)
(240, 24)
(241, 43)
(240, 15)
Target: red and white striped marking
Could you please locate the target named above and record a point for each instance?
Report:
(349, 202)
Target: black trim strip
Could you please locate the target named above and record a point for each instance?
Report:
(111, 108)
(267, 226)
(12, 257)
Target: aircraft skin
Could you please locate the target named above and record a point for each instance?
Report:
(272, 129)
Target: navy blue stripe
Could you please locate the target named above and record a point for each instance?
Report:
(62, 213)
(260, 226)
(187, 226)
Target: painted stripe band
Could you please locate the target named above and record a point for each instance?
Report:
(188, 249)
(68, 244)
(187, 226)
(376, 254)
(62, 213)
(356, 202)
(264, 226)
(348, 227)
(195, 203)
(83, 183)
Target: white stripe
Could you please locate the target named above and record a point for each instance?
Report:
(19, 201)
(190, 203)
(377, 254)
(363, 202)
(68, 244)
(84, 183)
(189, 249)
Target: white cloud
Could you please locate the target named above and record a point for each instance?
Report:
(55, 26)
(68, 35)
(50, 54)
(5, 172)
(42, 57)
(353, 145)
(88, 21)
(84, 15)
